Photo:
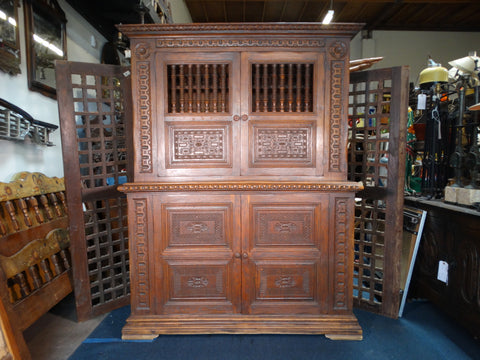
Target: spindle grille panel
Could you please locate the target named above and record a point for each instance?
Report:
(198, 88)
(95, 113)
(378, 104)
(282, 87)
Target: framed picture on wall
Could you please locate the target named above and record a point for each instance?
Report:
(9, 43)
(45, 34)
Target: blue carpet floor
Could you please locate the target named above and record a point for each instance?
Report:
(422, 333)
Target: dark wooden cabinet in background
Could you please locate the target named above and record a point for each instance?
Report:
(240, 212)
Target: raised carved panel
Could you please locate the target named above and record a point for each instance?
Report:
(285, 225)
(285, 146)
(197, 282)
(285, 280)
(197, 145)
(198, 225)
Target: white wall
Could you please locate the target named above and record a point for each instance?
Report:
(17, 157)
(413, 48)
(180, 13)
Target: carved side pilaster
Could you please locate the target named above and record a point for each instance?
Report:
(337, 52)
(341, 256)
(142, 53)
(140, 222)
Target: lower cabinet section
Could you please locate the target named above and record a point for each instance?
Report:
(241, 263)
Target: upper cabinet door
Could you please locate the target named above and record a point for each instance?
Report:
(282, 113)
(198, 103)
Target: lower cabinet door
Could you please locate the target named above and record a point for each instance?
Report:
(284, 253)
(196, 240)
(232, 254)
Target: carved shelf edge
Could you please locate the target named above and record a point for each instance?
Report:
(241, 186)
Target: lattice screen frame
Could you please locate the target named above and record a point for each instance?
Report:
(378, 105)
(95, 119)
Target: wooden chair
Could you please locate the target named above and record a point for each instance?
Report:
(35, 271)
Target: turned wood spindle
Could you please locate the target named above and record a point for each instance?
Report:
(44, 202)
(34, 203)
(298, 107)
(21, 280)
(36, 278)
(290, 87)
(199, 88)
(223, 87)
(207, 88)
(215, 88)
(22, 204)
(257, 87)
(56, 264)
(306, 98)
(65, 259)
(61, 195)
(47, 272)
(173, 88)
(265, 87)
(56, 204)
(274, 87)
(181, 80)
(11, 211)
(190, 88)
(282, 87)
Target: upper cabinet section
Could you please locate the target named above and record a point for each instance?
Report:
(231, 101)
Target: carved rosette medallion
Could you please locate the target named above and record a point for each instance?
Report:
(341, 258)
(336, 115)
(144, 106)
(141, 253)
(338, 50)
(142, 51)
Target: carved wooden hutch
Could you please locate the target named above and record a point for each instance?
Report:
(240, 215)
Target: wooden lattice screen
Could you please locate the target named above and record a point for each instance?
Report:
(95, 118)
(378, 108)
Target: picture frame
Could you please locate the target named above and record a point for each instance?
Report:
(9, 38)
(46, 41)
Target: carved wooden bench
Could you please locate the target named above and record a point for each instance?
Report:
(35, 271)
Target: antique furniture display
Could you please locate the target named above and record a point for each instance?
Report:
(35, 271)
(240, 212)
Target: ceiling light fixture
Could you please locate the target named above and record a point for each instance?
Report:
(329, 16)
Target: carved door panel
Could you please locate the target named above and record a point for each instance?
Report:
(198, 134)
(197, 260)
(95, 119)
(282, 123)
(284, 254)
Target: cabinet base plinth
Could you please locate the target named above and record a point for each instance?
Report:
(335, 327)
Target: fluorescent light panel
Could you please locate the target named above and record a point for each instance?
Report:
(328, 17)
